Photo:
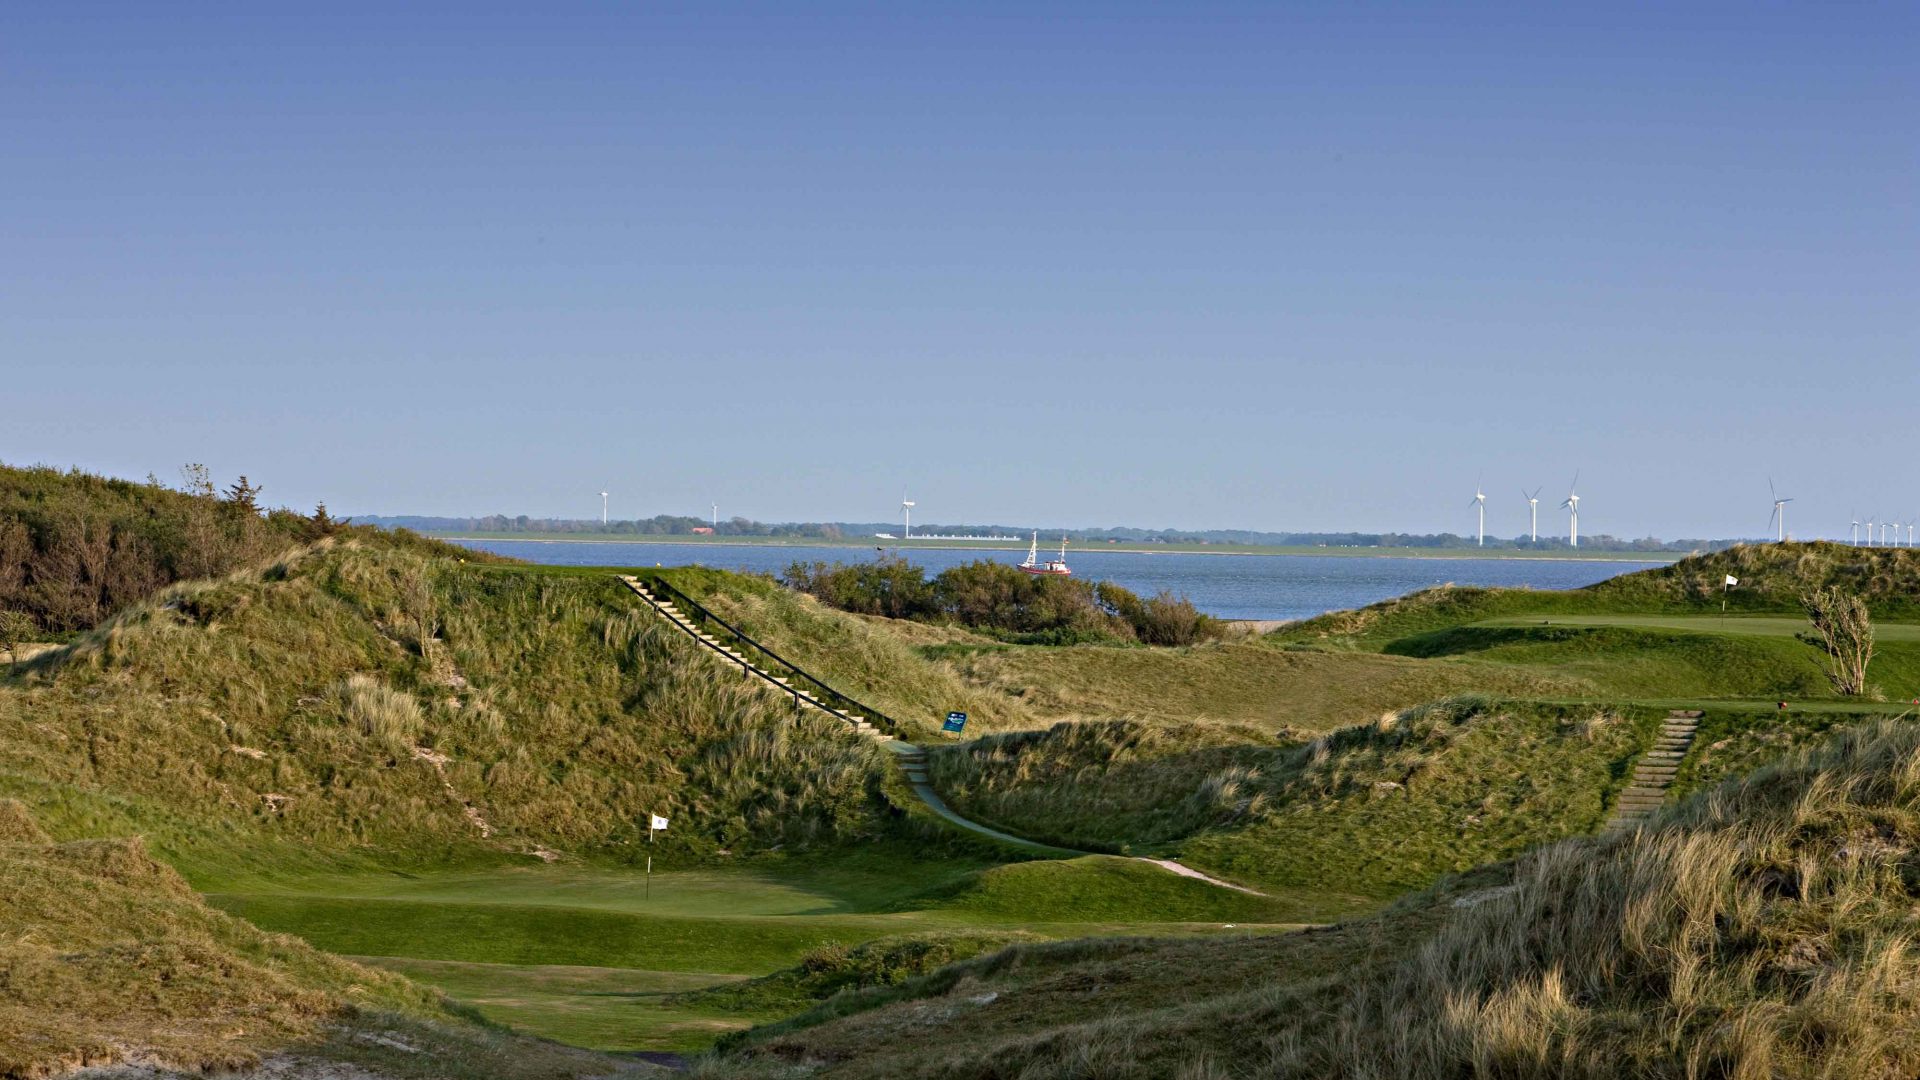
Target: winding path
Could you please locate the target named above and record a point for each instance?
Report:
(912, 759)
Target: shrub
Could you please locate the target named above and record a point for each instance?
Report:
(1844, 631)
(999, 599)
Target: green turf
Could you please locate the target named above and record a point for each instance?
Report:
(620, 1009)
(509, 939)
(1785, 626)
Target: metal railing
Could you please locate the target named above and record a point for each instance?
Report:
(828, 693)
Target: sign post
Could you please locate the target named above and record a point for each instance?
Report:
(955, 721)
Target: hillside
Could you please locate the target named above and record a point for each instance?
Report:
(143, 972)
(360, 695)
(1762, 928)
(1363, 812)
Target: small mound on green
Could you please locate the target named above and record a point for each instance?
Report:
(1099, 889)
(1762, 929)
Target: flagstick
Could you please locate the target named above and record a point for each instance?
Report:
(649, 895)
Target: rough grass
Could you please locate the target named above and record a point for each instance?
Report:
(836, 968)
(867, 658)
(1764, 929)
(355, 696)
(106, 955)
(1369, 810)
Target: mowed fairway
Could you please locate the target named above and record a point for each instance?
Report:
(1251, 684)
(593, 955)
(1763, 625)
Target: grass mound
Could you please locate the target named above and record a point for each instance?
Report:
(834, 968)
(1764, 929)
(1366, 811)
(361, 695)
(1095, 889)
(107, 956)
(1112, 785)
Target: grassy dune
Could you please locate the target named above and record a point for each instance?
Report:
(1762, 929)
(1364, 812)
(143, 971)
(352, 698)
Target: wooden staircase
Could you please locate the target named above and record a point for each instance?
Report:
(1653, 774)
(801, 698)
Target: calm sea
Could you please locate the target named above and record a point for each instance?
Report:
(1229, 586)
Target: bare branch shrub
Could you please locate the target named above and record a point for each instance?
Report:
(1843, 630)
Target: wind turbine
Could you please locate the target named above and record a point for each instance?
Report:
(1533, 514)
(1910, 525)
(1779, 518)
(906, 515)
(603, 508)
(1573, 506)
(1853, 536)
(1869, 532)
(1480, 503)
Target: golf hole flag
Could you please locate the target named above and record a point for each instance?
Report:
(1731, 580)
(657, 823)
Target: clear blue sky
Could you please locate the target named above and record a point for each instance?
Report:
(1203, 265)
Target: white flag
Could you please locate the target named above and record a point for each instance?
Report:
(1731, 580)
(659, 824)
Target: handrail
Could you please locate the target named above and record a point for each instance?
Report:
(885, 721)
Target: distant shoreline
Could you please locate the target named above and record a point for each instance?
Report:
(1440, 554)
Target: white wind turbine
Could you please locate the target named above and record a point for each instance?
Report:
(1869, 532)
(1573, 507)
(1779, 518)
(906, 515)
(603, 508)
(1910, 524)
(1853, 536)
(1480, 503)
(1533, 513)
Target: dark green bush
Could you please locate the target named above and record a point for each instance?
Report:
(1000, 599)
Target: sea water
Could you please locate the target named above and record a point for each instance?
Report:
(1228, 586)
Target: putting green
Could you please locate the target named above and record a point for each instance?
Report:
(591, 954)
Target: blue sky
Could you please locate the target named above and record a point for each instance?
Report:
(1263, 266)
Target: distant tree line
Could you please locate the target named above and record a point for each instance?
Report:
(1001, 600)
(680, 525)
